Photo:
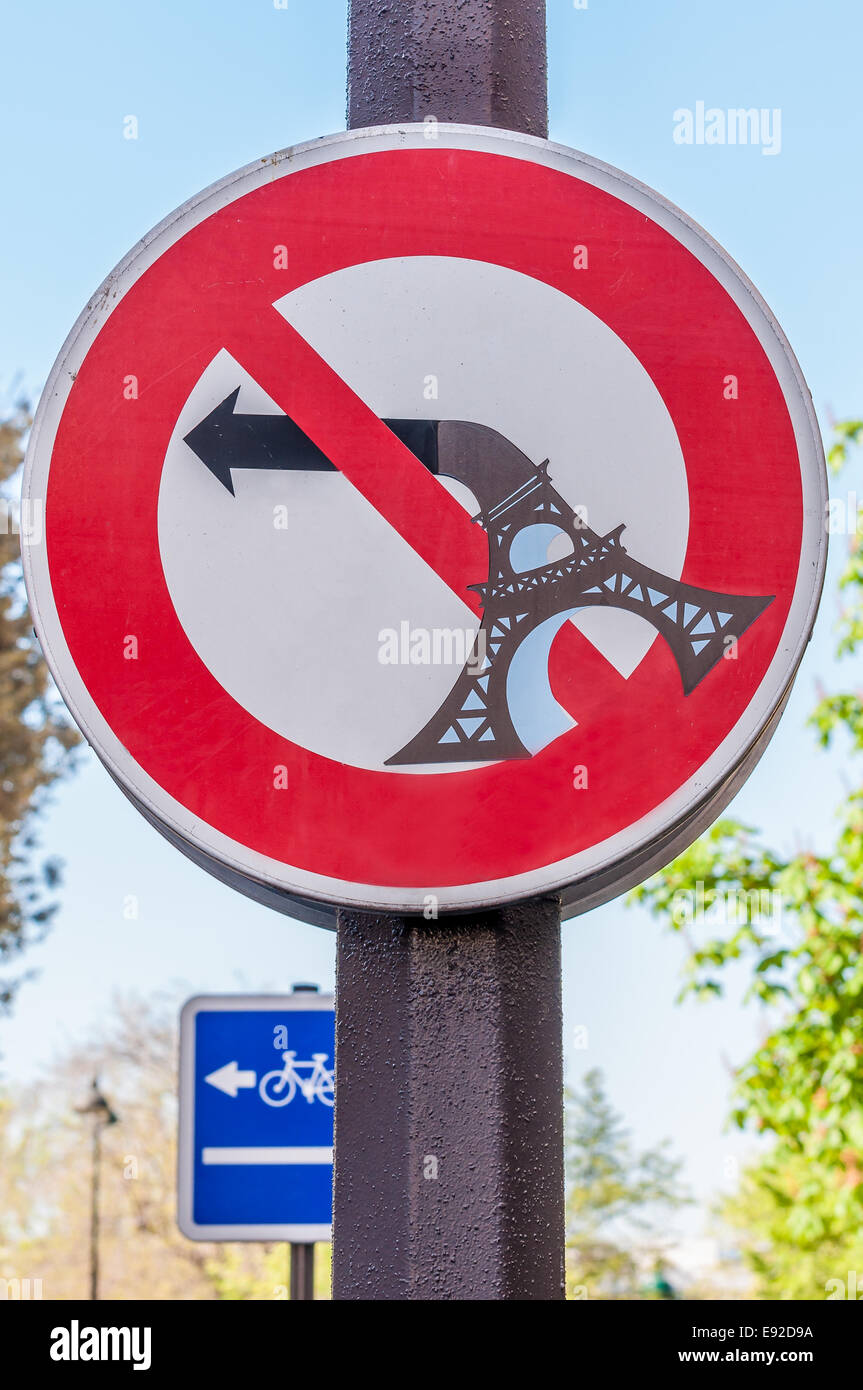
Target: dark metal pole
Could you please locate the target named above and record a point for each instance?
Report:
(302, 1273)
(103, 1115)
(481, 62)
(449, 1108)
(94, 1208)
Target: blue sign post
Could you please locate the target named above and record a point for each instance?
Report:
(256, 1117)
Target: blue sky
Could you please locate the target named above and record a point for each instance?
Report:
(214, 85)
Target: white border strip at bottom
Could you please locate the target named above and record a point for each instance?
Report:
(270, 1154)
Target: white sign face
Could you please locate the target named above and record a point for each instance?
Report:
(277, 599)
(457, 524)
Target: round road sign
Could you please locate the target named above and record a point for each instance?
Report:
(433, 518)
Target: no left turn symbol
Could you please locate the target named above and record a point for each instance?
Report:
(429, 523)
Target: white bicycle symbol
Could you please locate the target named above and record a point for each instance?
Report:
(280, 1087)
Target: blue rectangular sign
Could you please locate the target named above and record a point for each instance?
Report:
(256, 1117)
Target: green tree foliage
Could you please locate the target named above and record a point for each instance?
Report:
(36, 739)
(801, 1204)
(614, 1198)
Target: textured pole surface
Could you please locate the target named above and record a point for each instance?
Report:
(449, 1110)
(482, 62)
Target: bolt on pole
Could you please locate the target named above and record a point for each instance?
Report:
(449, 1106)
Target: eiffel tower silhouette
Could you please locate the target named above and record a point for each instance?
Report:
(474, 723)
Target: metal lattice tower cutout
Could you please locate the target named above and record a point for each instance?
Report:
(474, 723)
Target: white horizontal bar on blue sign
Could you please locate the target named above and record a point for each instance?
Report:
(267, 1154)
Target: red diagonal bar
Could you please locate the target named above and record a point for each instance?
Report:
(369, 455)
(394, 481)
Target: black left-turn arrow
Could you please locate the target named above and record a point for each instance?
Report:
(226, 440)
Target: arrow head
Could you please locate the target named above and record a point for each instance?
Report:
(229, 1079)
(213, 440)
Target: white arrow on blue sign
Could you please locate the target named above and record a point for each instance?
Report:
(256, 1117)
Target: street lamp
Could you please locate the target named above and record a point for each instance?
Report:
(103, 1115)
